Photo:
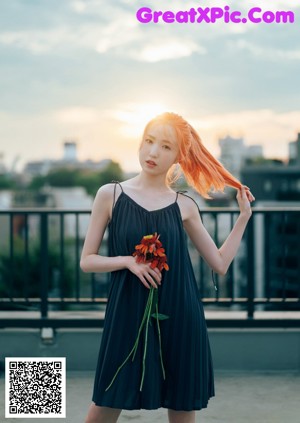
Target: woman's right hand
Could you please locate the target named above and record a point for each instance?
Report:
(144, 272)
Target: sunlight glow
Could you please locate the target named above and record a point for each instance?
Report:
(135, 116)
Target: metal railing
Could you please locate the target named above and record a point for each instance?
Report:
(40, 272)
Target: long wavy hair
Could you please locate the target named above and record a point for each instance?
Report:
(201, 170)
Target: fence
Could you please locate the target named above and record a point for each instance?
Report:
(40, 273)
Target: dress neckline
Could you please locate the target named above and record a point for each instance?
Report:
(143, 208)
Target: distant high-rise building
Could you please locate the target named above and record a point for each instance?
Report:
(2, 165)
(70, 151)
(68, 161)
(294, 151)
(232, 153)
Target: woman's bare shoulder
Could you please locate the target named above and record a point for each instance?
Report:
(105, 191)
(186, 199)
(104, 196)
(187, 206)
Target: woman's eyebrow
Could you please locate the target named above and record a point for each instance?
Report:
(167, 141)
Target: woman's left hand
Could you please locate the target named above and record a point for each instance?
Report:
(244, 198)
(249, 194)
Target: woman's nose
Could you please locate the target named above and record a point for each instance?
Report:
(154, 150)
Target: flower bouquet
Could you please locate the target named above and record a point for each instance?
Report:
(148, 251)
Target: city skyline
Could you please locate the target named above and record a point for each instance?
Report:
(88, 71)
(70, 155)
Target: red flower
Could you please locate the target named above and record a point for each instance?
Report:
(150, 249)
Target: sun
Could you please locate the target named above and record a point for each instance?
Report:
(134, 116)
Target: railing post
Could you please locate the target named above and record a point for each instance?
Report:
(250, 267)
(44, 265)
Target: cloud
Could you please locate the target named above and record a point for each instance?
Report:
(95, 25)
(113, 36)
(36, 41)
(101, 26)
(273, 4)
(168, 49)
(66, 38)
(79, 6)
(272, 54)
(78, 115)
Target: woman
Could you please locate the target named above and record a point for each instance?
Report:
(141, 206)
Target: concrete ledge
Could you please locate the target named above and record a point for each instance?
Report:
(232, 349)
(255, 349)
(100, 315)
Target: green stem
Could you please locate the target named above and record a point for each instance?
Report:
(146, 338)
(159, 338)
(119, 368)
(148, 306)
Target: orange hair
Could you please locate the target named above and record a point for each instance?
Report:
(201, 170)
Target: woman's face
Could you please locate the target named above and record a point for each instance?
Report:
(160, 147)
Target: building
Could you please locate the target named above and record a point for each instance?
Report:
(273, 182)
(294, 151)
(70, 151)
(277, 245)
(3, 169)
(254, 151)
(69, 161)
(234, 153)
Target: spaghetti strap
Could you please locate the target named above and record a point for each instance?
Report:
(183, 192)
(212, 272)
(115, 182)
(176, 196)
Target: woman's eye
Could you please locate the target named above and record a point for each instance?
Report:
(167, 147)
(147, 140)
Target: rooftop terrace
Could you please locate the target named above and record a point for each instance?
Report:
(241, 397)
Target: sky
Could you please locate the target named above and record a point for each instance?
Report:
(89, 71)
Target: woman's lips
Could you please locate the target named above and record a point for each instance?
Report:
(151, 163)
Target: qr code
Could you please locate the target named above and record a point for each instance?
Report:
(35, 387)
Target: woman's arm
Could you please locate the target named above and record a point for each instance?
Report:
(219, 259)
(90, 261)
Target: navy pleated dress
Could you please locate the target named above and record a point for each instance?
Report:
(186, 354)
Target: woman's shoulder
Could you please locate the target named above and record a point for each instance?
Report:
(106, 193)
(105, 190)
(107, 196)
(187, 205)
(186, 199)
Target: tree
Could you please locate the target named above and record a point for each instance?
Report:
(112, 171)
(89, 179)
(6, 182)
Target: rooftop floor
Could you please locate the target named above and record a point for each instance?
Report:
(271, 397)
